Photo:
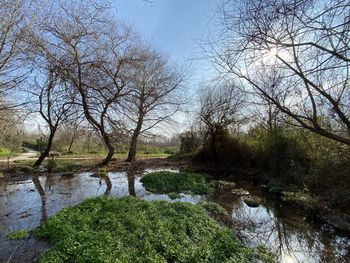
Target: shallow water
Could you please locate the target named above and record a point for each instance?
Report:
(281, 228)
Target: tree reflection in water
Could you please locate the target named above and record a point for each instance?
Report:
(281, 228)
(42, 194)
(131, 179)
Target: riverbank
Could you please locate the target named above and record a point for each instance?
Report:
(314, 207)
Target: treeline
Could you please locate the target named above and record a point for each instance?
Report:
(73, 63)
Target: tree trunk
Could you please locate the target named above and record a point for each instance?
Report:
(133, 141)
(46, 152)
(110, 149)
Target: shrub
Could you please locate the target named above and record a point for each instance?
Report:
(282, 157)
(51, 164)
(189, 142)
(228, 151)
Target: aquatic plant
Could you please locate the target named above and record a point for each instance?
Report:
(165, 182)
(106, 229)
(213, 208)
(19, 234)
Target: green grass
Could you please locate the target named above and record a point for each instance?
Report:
(5, 152)
(106, 229)
(19, 234)
(164, 182)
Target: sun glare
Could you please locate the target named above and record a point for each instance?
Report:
(273, 52)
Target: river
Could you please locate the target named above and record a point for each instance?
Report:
(284, 229)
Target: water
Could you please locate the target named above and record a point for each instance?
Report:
(281, 228)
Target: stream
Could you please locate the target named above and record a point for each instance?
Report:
(280, 227)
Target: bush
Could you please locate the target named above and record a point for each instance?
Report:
(105, 229)
(189, 142)
(51, 165)
(282, 157)
(228, 151)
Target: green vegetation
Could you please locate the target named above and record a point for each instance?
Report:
(106, 229)
(5, 152)
(165, 182)
(213, 208)
(19, 234)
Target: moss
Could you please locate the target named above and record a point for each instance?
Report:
(19, 234)
(106, 229)
(165, 182)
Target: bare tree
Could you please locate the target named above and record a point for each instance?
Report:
(92, 53)
(55, 101)
(220, 107)
(155, 96)
(307, 43)
(16, 17)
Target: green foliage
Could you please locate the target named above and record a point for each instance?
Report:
(106, 229)
(37, 145)
(19, 234)
(6, 152)
(51, 164)
(283, 157)
(213, 208)
(190, 142)
(173, 196)
(171, 182)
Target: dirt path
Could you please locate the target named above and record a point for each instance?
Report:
(23, 156)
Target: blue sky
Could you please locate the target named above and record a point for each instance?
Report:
(172, 26)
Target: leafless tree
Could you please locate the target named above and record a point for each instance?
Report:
(156, 95)
(307, 43)
(93, 53)
(220, 108)
(16, 17)
(55, 100)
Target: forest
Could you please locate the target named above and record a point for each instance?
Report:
(112, 151)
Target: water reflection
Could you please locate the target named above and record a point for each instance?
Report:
(283, 230)
(131, 180)
(42, 194)
(279, 227)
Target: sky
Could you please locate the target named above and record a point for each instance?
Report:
(172, 26)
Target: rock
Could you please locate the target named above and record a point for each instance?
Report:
(240, 192)
(252, 201)
(226, 184)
